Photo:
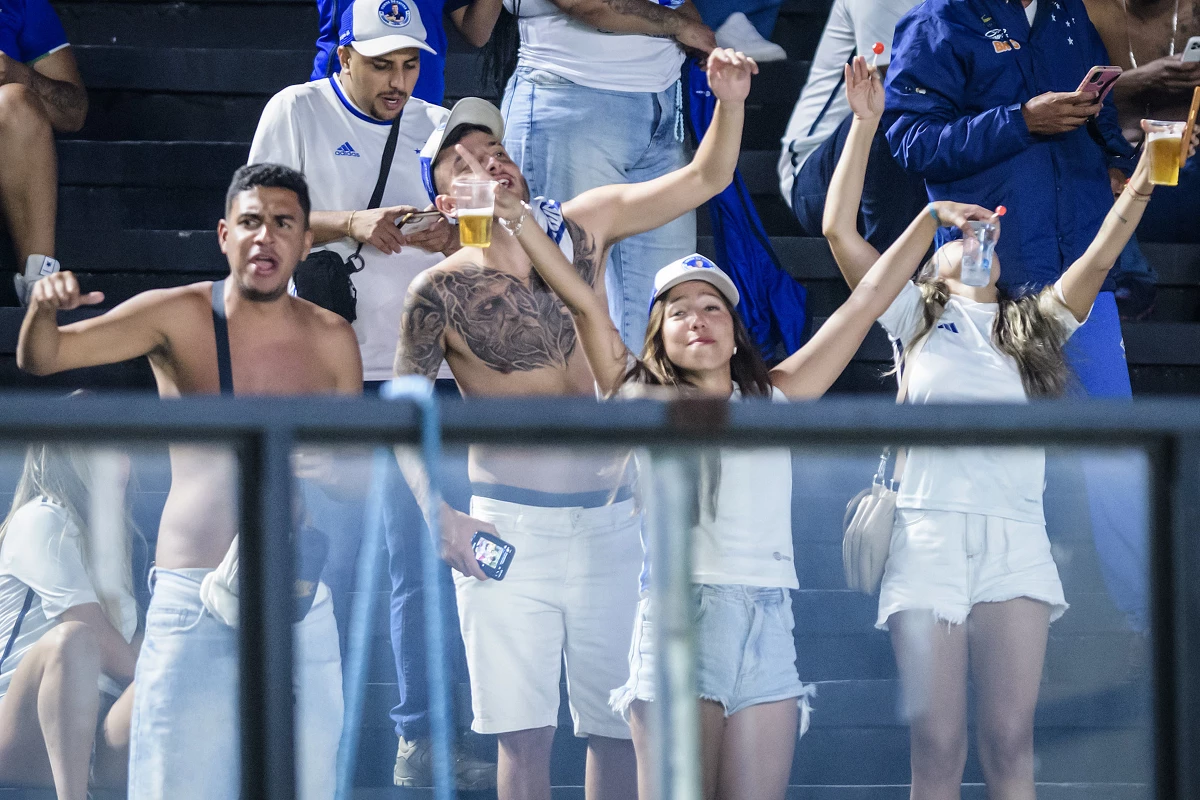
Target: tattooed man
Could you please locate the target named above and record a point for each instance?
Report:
(572, 587)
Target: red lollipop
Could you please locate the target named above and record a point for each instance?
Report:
(1001, 211)
(877, 49)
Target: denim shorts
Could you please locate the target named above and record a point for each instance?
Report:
(745, 651)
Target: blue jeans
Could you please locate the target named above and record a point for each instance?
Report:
(568, 138)
(1117, 494)
(184, 728)
(890, 199)
(761, 13)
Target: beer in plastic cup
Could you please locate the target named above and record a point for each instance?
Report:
(1164, 142)
(979, 244)
(475, 198)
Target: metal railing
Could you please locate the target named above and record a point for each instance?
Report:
(264, 430)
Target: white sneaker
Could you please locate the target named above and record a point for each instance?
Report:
(738, 33)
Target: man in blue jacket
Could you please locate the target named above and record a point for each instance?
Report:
(981, 103)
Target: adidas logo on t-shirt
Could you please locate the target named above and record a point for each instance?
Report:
(346, 150)
(946, 326)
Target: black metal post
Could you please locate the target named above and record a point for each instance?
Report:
(1175, 595)
(265, 618)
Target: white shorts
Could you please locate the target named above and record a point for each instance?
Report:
(947, 561)
(570, 594)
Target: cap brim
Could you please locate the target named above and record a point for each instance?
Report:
(719, 280)
(383, 45)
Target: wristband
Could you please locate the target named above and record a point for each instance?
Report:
(514, 228)
(933, 213)
(1136, 193)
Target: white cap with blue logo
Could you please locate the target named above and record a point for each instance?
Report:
(693, 268)
(468, 111)
(375, 28)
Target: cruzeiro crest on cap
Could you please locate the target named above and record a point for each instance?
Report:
(698, 262)
(394, 13)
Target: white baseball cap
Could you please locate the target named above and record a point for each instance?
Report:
(468, 111)
(693, 268)
(376, 27)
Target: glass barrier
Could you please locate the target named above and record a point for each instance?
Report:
(1006, 644)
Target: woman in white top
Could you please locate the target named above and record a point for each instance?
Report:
(969, 543)
(67, 627)
(697, 342)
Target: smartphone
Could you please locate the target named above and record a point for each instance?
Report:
(1191, 51)
(493, 554)
(417, 221)
(1100, 80)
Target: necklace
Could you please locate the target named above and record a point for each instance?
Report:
(1129, 39)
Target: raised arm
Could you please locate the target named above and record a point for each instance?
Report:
(853, 253)
(1084, 278)
(615, 212)
(641, 16)
(476, 19)
(811, 370)
(130, 330)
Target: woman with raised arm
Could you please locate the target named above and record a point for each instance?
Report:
(67, 626)
(970, 577)
(743, 568)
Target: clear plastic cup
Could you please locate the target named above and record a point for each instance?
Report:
(979, 245)
(476, 200)
(1164, 145)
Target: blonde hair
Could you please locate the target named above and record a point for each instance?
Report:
(1027, 329)
(64, 475)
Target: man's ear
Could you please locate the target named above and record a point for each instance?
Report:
(308, 243)
(446, 204)
(222, 235)
(343, 57)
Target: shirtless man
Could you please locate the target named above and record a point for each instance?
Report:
(1144, 39)
(572, 587)
(184, 742)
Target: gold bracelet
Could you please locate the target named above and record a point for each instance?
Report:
(349, 222)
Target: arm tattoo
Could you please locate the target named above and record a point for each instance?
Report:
(420, 351)
(67, 101)
(510, 326)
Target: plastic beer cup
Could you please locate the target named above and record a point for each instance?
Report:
(1164, 142)
(475, 198)
(979, 244)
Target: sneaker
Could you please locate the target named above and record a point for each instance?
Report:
(738, 33)
(414, 768)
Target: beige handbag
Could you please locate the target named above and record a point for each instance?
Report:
(867, 525)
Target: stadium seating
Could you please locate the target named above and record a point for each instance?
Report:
(176, 89)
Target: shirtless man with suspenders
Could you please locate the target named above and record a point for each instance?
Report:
(572, 587)
(184, 743)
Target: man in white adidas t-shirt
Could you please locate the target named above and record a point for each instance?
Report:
(334, 131)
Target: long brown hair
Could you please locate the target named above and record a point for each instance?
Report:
(1026, 330)
(64, 475)
(746, 367)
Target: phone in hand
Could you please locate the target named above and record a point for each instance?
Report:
(1191, 50)
(1100, 80)
(493, 554)
(417, 221)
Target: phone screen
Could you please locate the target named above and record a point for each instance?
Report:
(488, 553)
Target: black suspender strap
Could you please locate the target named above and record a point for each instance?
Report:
(221, 329)
(12, 637)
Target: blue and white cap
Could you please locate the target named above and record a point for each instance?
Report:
(693, 268)
(468, 111)
(374, 28)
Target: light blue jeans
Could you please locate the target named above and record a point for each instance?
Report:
(568, 138)
(184, 738)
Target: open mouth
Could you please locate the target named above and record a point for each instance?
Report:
(391, 103)
(505, 181)
(263, 265)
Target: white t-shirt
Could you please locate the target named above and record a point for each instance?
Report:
(316, 129)
(41, 560)
(1031, 11)
(749, 542)
(574, 50)
(853, 25)
(961, 364)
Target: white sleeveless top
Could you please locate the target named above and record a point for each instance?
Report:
(553, 41)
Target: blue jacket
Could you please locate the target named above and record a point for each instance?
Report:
(959, 73)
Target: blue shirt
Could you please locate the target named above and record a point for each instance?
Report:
(960, 71)
(29, 30)
(431, 83)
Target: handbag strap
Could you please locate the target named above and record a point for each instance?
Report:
(12, 638)
(385, 166)
(906, 363)
(221, 330)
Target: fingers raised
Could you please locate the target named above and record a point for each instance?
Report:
(472, 162)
